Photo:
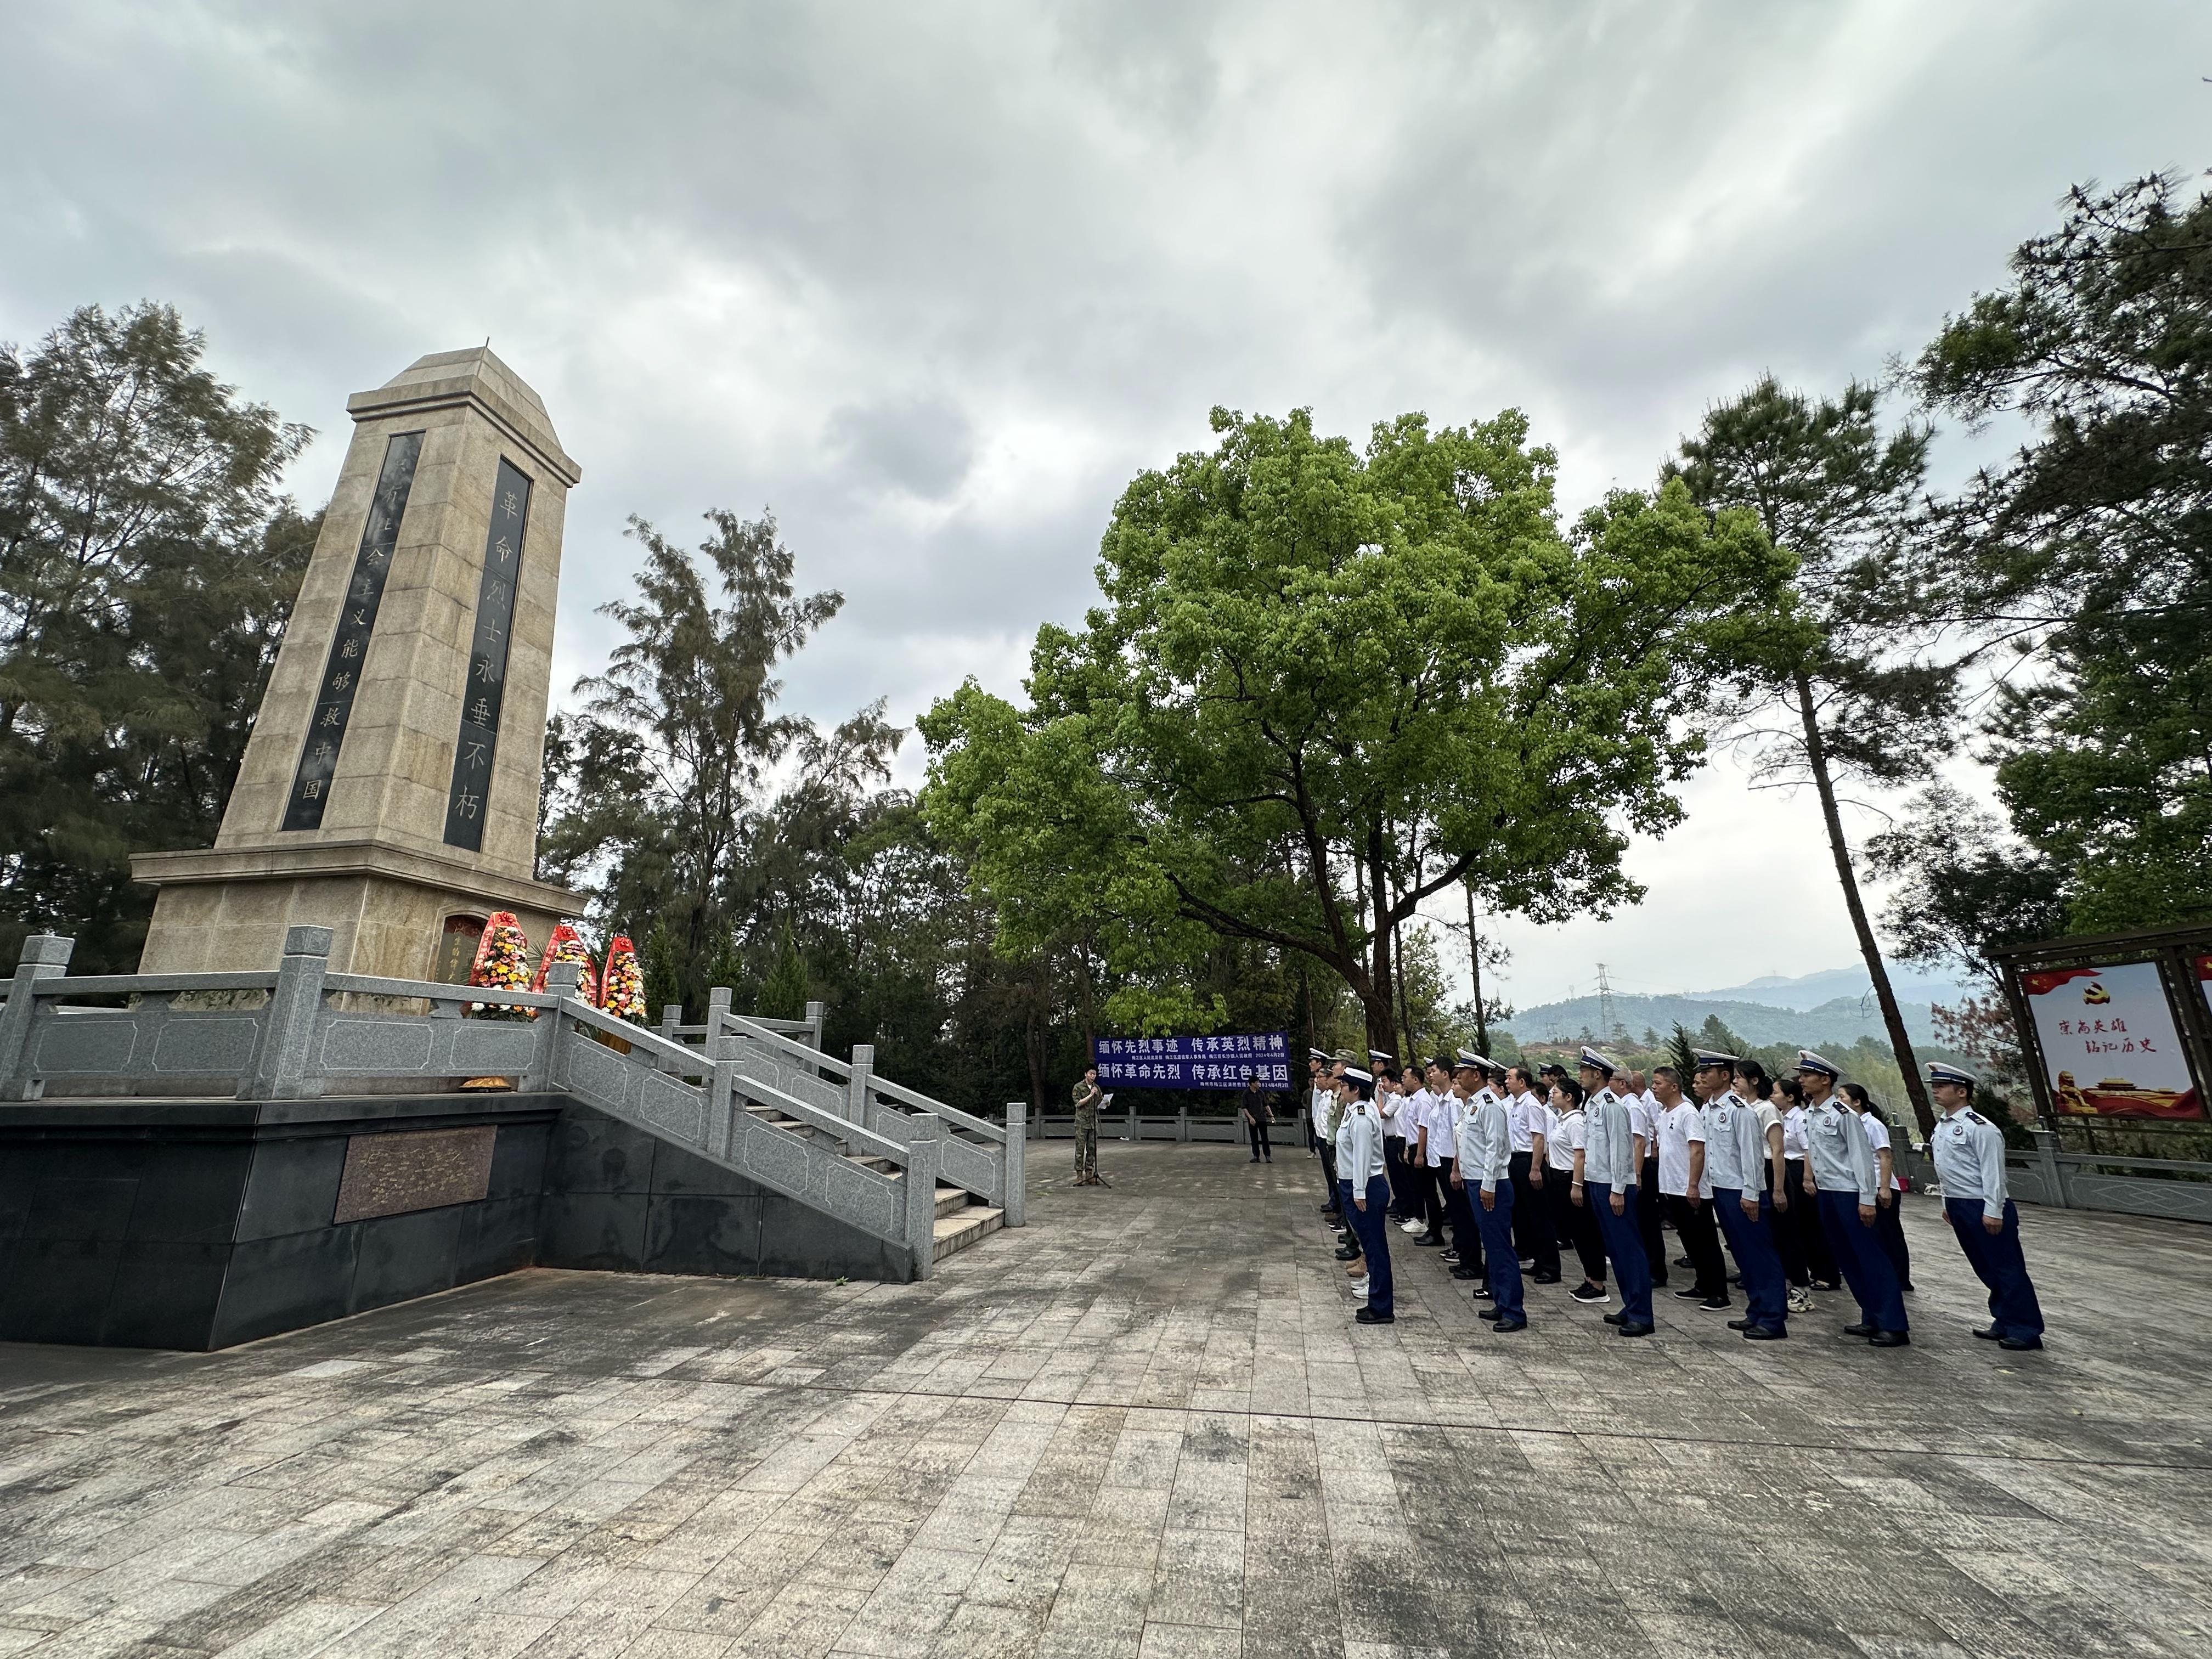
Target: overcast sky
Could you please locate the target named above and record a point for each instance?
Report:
(933, 281)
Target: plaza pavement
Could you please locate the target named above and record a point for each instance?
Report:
(1144, 1426)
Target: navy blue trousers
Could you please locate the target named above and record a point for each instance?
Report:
(1497, 1225)
(1997, 1262)
(1765, 1288)
(1468, 1236)
(1371, 1225)
(1865, 1263)
(1624, 1242)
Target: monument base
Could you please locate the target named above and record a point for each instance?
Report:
(200, 1224)
(386, 906)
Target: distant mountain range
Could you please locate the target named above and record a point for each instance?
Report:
(1835, 1005)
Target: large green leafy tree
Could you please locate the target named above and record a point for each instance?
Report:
(1323, 686)
(147, 567)
(1842, 696)
(2091, 549)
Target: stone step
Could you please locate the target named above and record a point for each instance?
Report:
(957, 1231)
(949, 1199)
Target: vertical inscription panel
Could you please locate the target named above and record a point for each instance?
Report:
(417, 1169)
(334, 693)
(478, 744)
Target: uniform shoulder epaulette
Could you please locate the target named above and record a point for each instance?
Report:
(1971, 1115)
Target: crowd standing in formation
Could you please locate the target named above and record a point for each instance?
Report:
(1503, 1168)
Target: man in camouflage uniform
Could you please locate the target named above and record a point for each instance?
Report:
(1088, 1098)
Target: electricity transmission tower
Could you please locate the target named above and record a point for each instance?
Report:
(1609, 1018)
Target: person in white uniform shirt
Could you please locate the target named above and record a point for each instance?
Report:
(1564, 1153)
(1840, 1169)
(1391, 1107)
(1644, 1119)
(1365, 1192)
(1435, 1154)
(1319, 1109)
(1737, 1148)
(1526, 1115)
(1486, 1156)
(1469, 1090)
(1970, 1161)
(1612, 1169)
(1888, 1220)
(1414, 1115)
(1688, 1191)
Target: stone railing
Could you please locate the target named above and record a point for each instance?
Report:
(973, 1153)
(304, 1033)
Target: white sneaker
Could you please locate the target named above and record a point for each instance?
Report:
(1801, 1299)
(1359, 1290)
(1411, 1226)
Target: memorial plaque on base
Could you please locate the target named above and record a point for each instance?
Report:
(395, 1173)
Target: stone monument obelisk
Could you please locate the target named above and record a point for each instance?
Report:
(390, 789)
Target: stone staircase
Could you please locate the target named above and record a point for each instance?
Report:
(962, 1219)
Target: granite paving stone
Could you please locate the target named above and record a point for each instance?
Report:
(1145, 1425)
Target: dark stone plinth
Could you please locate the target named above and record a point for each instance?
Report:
(201, 1224)
(619, 1199)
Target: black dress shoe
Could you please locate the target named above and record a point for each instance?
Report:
(1858, 1330)
(1543, 1278)
(1431, 1241)
(1489, 1313)
(1504, 1325)
(1369, 1316)
(1684, 1261)
(1889, 1340)
(1637, 1330)
(1467, 1272)
(1988, 1332)
(1739, 1324)
(1764, 1334)
(1346, 1256)
(1693, 1294)
(1714, 1304)
(1615, 1317)
(2018, 1344)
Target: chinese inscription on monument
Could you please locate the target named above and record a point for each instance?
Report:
(334, 696)
(478, 744)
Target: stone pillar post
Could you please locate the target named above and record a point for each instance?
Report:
(45, 955)
(922, 1193)
(721, 1095)
(1017, 1201)
(1129, 1131)
(546, 1070)
(718, 1010)
(1182, 1123)
(2054, 1172)
(289, 1024)
(857, 1093)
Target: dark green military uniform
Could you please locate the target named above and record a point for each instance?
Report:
(1088, 1095)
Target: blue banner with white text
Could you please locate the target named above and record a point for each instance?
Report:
(1206, 1062)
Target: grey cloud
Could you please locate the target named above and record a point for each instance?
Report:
(920, 445)
(933, 283)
